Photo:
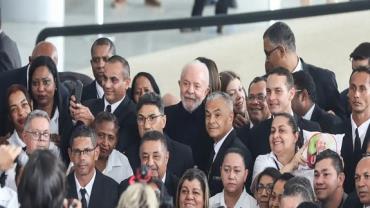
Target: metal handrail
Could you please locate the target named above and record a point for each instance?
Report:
(242, 18)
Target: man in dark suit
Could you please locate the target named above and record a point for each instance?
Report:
(86, 183)
(20, 76)
(280, 92)
(357, 131)
(185, 120)
(116, 80)
(9, 54)
(219, 124)
(280, 50)
(101, 50)
(362, 184)
(304, 104)
(154, 154)
(150, 117)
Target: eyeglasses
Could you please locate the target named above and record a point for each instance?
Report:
(268, 53)
(261, 187)
(97, 59)
(39, 136)
(151, 119)
(86, 151)
(259, 98)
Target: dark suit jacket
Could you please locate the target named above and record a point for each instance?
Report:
(9, 54)
(190, 129)
(214, 172)
(181, 156)
(89, 92)
(328, 97)
(126, 115)
(350, 162)
(329, 123)
(104, 192)
(259, 144)
(243, 133)
(352, 201)
(345, 103)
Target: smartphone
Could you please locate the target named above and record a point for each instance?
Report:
(75, 88)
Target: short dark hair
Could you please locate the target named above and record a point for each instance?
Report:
(284, 177)
(104, 41)
(83, 131)
(124, 62)
(281, 71)
(43, 183)
(269, 171)
(105, 116)
(154, 136)
(358, 70)
(256, 80)
(214, 80)
(299, 186)
(151, 80)
(361, 52)
(280, 34)
(304, 81)
(238, 151)
(151, 98)
(336, 160)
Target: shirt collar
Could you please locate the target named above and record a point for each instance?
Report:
(113, 161)
(308, 115)
(164, 178)
(299, 66)
(218, 145)
(16, 140)
(362, 129)
(88, 187)
(99, 90)
(113, 106)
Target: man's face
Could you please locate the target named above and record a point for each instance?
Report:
(279, 97)
(155, 156)
(297, 103)
(290, 201)
(19, 108)
(362, 181)
(256, 103)
(359, 92)
(115, 84)
(277, 192)
(99, 57)
(274, 55)
(219, 119)
(360, 62)
(37, 135)
(83, 154)
(327, 182)
(233, 173)
(107, 138)
(149, 118)
(193, 87)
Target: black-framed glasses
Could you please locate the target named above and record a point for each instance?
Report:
(268, 53)
(39, 136)
(86, 151)
(151, 118)
(267, 187)
(259, 98)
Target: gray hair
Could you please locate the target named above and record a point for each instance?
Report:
(203, 69)
(299, 186)
(35, 114)
(221, 95)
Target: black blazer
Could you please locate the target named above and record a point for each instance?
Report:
(350, 162)
(126, 115)
(89, 92)
(180, 156)
(190, 129)
(352, 201)
(104, 192)
(259, 144)
(329, 123)
(328, 97)
(345, 102)
(214, 172)
(243, 133)
(9, 54)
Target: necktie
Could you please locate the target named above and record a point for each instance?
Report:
(108, 109)
(83, 199)
(2, 179)
(357, 149)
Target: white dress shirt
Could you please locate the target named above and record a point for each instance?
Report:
(54, 122)
(88, 188)
(308, 115)
(244, 201)
(8, 198)
(118, 167)
(362, 129)
(99, 90)
(113, 106)
(299, 66)
(217, 146)
(15, 140)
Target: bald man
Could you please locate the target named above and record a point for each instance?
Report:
(19, 76)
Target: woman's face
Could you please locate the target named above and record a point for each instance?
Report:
(264, 188)
(19, 108)
(142, 86)
(236, 92)
(43, 86)
(191, 195)
(282, 138)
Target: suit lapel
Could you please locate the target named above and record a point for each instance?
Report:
(72, 193)
(366, 139)
(121, 109)
(228, 141)
(94, 198)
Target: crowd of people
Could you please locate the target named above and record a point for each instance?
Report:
(287, 139)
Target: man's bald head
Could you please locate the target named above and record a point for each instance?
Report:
(45, 48)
